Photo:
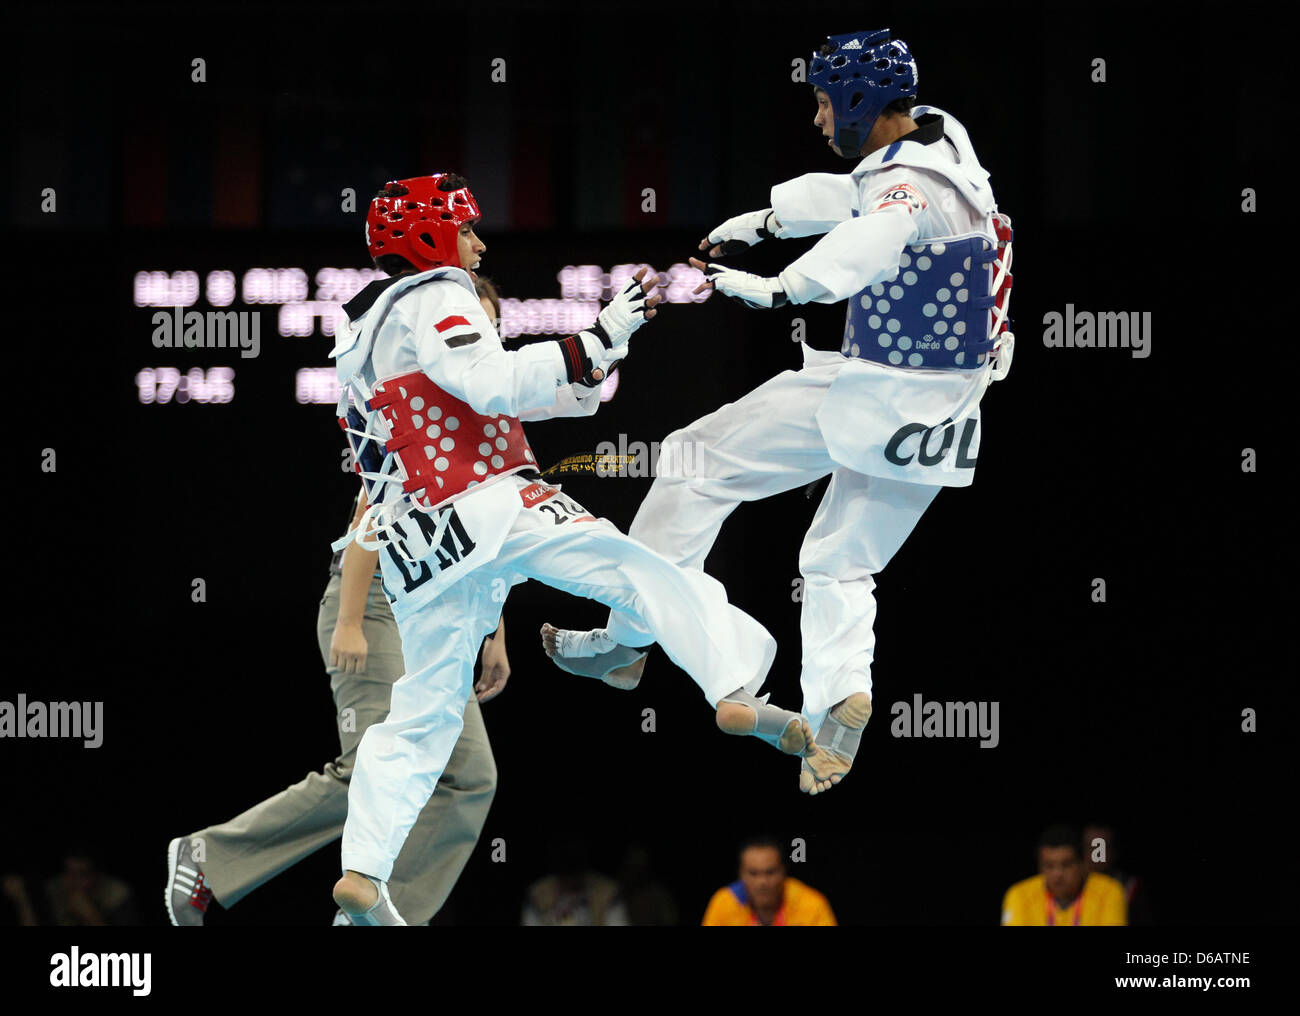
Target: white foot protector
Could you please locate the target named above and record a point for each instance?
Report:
(838, 741)
(781, 728)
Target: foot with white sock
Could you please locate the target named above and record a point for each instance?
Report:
(838, 740)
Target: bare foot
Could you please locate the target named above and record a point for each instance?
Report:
(626, 678)
(822, 770)
(734, 718)
(548, 638)
(798, 737)
(825, 767)
(355, 894)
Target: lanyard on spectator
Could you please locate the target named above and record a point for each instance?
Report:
(1051, 910)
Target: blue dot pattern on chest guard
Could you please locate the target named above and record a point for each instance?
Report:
(933, 315)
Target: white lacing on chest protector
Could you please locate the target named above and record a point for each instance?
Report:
(381, 514)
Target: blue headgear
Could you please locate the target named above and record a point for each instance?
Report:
(863, 73)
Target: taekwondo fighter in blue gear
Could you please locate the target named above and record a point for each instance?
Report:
(915, 245)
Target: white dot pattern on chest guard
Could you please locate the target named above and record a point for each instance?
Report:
(434, 464)
(934, 315)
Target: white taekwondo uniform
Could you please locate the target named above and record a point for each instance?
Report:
(911, 237)
(424, 371)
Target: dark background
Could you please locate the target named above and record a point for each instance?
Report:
(1125, 196)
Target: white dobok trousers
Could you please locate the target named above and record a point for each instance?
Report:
(557, 543)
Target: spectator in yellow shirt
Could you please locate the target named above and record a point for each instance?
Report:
(764, 895)
(1064, 892)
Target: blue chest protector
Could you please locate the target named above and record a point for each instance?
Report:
(934, 315)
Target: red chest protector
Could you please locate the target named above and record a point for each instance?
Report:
(442, 445)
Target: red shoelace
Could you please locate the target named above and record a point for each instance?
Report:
(200, 895)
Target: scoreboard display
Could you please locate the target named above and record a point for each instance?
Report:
(223, 310)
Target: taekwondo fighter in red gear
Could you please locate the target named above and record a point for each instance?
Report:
(433, 407)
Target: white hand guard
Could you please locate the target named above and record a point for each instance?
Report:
(624, 315)
(613, 357)
(743, 231)
(751, 290)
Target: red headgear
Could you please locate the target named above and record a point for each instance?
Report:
(416, 219)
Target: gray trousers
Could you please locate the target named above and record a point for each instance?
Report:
(254, 847)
